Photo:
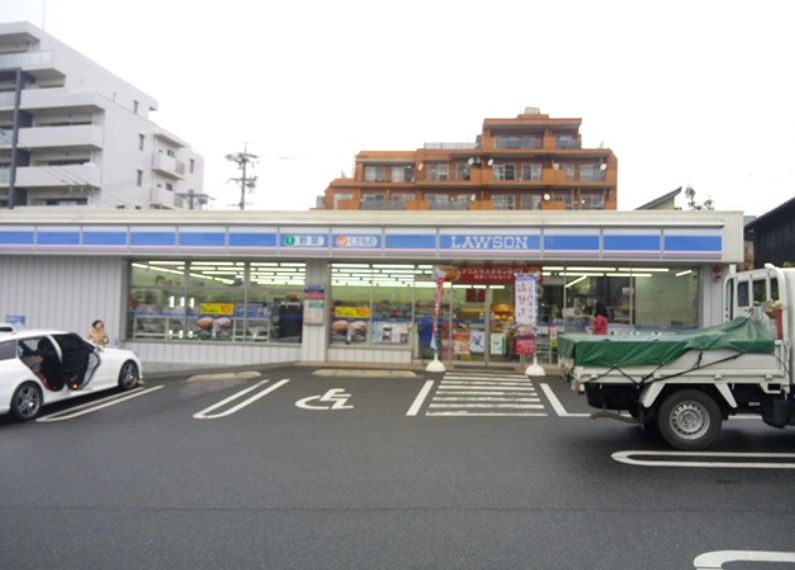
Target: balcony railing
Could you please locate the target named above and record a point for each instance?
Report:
(25, 59)
(450, 145)
(7, 98)
(168, 165)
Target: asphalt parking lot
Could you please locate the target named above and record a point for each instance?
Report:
(294, 469)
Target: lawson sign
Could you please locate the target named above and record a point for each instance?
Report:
(508, 243)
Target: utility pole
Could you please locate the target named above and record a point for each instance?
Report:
(243, 159)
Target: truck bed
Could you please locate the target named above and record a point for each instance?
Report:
(693, 366)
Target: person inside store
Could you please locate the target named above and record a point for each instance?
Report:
(600, 319)
(97, 334)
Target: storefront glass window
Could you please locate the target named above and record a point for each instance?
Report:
(219, 301)
(373, 303)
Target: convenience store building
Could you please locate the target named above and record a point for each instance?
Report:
(209, 287)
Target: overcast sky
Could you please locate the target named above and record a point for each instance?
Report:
(696, 92)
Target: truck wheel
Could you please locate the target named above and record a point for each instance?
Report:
(689, 420)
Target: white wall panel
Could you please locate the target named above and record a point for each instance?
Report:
(63, 292)
(372, 355)
(209, 354)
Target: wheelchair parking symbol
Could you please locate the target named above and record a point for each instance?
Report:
(334, 399)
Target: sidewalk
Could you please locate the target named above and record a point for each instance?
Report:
(155, 370)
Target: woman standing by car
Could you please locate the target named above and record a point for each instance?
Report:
(97, 333)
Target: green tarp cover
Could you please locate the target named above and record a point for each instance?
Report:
(741, 335)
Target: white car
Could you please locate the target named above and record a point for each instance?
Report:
(42, 367)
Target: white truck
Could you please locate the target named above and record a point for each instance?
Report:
(683, 385)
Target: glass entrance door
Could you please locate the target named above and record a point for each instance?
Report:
(481, 324)
(469, 323)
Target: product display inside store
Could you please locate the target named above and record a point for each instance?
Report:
(216, 300)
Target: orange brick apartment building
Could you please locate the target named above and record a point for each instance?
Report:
(528, 163)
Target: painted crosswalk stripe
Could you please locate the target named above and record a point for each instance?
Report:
(528, 406)
(462, 413)
(488, 387)
(483, 392)
(484, 399)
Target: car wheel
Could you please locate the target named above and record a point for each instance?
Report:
(689, 420)
(128, 376)
(26, 402)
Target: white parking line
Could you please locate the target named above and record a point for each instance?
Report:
(556, 405)
(717, 558)
(418, 401)
(203, 414)
(96, 405)
(626, 457)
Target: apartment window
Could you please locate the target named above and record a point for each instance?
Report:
(518, 141)
(341, 196)
(461, 171)
(592, 202)
(170, 152)
(505, 172)
(571, 171)
(591, 172)
(531, 171)
(531, 202)
(139, 179)
(373, 173)
(404, 173)
(503, 201)
(569, 141)
(438, 201)
(439, 171)
(169, 187)
(397, 200)
(192, 165)
(566, 197)
(135, 106)
(373, 201)
(140, 142)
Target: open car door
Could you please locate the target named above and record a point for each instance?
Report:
(79, 360)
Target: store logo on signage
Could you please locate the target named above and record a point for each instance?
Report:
(489, 242)
(357, 241)
(308, 240)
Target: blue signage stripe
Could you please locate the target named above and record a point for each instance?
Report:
(693, 243)
(104, 238)
(490, 242)
(246, 239)
(410, 241)
(571, 243)
(153, 238)
(58, 238)
(202, 238)
(632, 243)
(16, 238)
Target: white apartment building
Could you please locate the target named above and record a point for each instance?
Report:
(72, 133)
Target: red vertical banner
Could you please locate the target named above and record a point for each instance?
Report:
(526, 314)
